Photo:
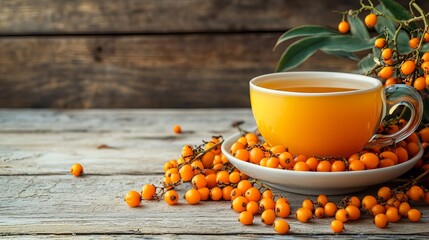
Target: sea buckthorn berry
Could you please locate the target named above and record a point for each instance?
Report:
(168, 184)
(197, 166)
(356, 165)
(226, 192)
(355, 201)
(404, 207)
(389, 155)
(370, 160)
(211, 181)
(252, 207)
(426, 37)
(337, 226)
(234, 177)
(304, 215)
(268, 217)
(413, 149)
(425, 67)
(426, 198)
(307, 203)
(171, 197)
(414, 42)
(338, 166)
(301, 166)
(286, 160)
(235, 193)
(414, 215)
(148, 191)
(380, 43)
(424, 134)
(266, 203)
(384, 193)
(354, 212)
(268, 194)
(187, 151)
(251, 137)
(343, 27)
(281, 226)
(322, 199)
(408, 67)
(386, 53)
(390, 81)
(241, 140)
(246, 218)
(177, 129)
(377, 208)
(370, 20)
(368, 202)
(175, 178)
(402, 154)
(239, 204)
(277, 149)
(76, 170)
(222, 177)
(312, 162)
(216, 194)
(207, 159)
(242, 154)
(419, 83)
(386, 163)
(300, 158)
(253, 194)
(425, 56)
(342, 215)
(236, 146)
(319, 212)
(243, 185)
(192, 196)
(272, 162)
(393, 214)
(381, 220)
(324, 166)
(282, 209)
(330, 209)
(205, 193)
(199, 181)
(133, 198)
(386, 72)
(282, 200)
(392, 202)
(255, 155)
(415, 193)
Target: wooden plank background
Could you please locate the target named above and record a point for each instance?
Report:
(142, 53)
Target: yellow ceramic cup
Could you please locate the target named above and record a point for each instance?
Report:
(328, 113)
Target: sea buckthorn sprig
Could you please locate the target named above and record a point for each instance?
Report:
(394, 39)
(198, 167)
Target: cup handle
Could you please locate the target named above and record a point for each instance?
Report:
(400, 95)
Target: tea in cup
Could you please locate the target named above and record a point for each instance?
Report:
(328, 113)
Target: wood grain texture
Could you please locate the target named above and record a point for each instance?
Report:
(138, 16)
(140, 71)
(40, 199)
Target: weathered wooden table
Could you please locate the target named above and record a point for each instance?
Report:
(39, 198)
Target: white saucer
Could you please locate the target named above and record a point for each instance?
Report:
(314, 183)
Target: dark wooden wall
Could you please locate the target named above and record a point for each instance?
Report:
(148, 53)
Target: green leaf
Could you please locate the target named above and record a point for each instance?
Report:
(343, 54)
(299, 51)
(303, 31)
(398, 11)
(402, 42)
(384, 24)
(347, 43)
(366, 63)
(425, 47)
(357, 28)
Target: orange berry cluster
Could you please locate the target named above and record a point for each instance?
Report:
(212, 177)
(395, 67)
(261, 153)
